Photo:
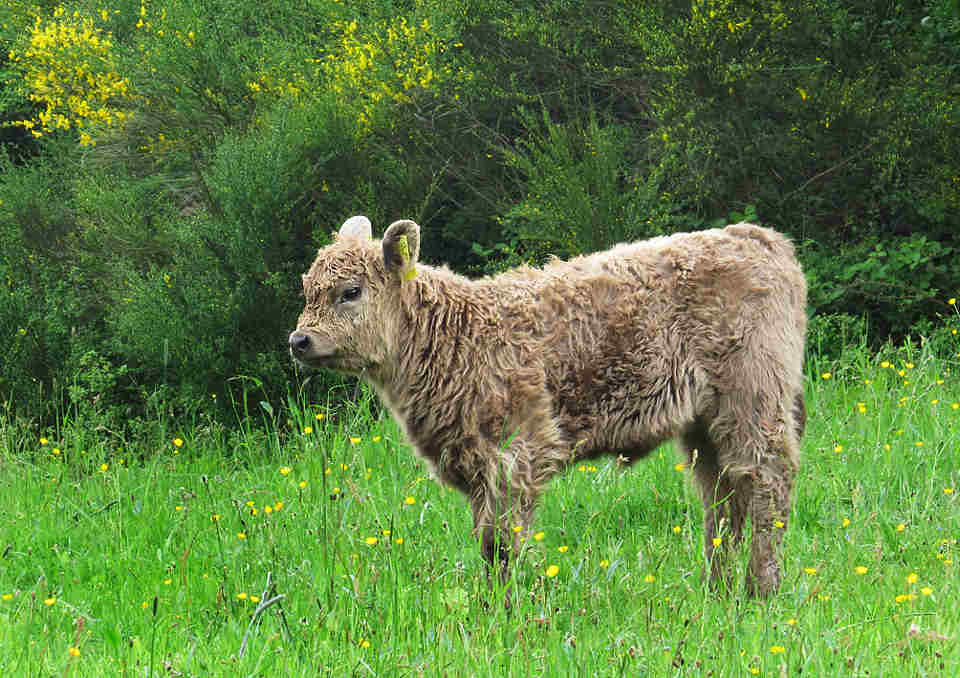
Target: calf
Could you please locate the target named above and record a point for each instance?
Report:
(501, 382)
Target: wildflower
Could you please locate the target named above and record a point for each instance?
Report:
(364, 643)
(717, 541)
(241, 535)
(55, 451)
(910, 366)
(779, 524)
(845, 522)
(104, 467)
(539, 536)
(268, 509)
(371, 541)
(901, 527)
(376, 439)
(74, 652)
(860, 569)
(679, 467)
(904, 597)
(278, 506)
(254, 599)
(810, 570)
(885, 364)
(319, 416)
(952, 301)
(7, 596)
(777, 649)
(43, 441)
(912, 578)
(285, 470)
(398, 541)
(52, 600)
(552, 571)
(302, 484)
(677, 529)
(178, 442)
(791, 622)
(386, 533)
(215, 518)
(926, 590)
(307, 430)
(919, 443)
(838, 448)
(948, 490)
(355, 441)
(604, 563)
(518, 529)
(241, 596)
(563, 549)
(409, 501)
(825, 375)
(649, 579)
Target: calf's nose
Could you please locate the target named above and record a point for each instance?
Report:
(299, 342)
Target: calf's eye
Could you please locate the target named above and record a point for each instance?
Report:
(350, 294)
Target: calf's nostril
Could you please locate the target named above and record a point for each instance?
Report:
(299, 342)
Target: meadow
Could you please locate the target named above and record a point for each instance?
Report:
(307, 540)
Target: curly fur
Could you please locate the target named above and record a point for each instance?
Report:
(501, 382)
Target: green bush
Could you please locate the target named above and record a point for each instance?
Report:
(586, 190)
(157, 215)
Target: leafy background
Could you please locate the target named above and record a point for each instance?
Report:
(169, 168)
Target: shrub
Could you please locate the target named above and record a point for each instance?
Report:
(69, 67)
(586, 188)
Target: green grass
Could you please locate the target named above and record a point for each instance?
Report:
(129, 551)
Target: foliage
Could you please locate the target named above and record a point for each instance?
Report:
(69, 67)
(584, 191)
(210, 145)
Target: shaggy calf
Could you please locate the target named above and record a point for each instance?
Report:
(501, 382)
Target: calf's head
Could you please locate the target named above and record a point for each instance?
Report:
(352, 290)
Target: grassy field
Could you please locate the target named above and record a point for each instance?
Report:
(158, 556)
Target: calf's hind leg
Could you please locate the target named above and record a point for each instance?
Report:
(724, 510)
(769, 508)
(757, 454)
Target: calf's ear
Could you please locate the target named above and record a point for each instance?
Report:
(356, 227)
(401, 248)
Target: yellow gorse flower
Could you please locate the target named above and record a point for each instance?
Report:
(69, 68)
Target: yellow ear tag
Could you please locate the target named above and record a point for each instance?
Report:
(409, 270)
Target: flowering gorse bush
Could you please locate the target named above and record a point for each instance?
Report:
(388, 62)
(69, 67)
